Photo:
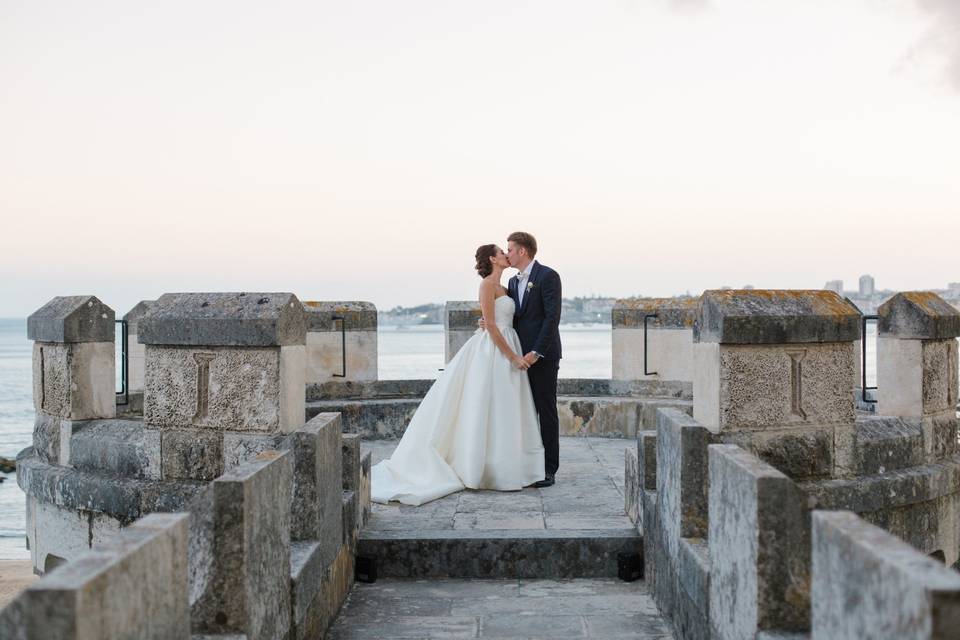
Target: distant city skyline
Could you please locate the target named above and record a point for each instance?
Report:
(363, 150)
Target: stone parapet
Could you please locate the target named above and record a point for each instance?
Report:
(459, 324)
(136, 351)
(341, 342)
(775, 316)
(918, 315)
(224, 319)
(665, 343)
(868, 584)
(71, 320)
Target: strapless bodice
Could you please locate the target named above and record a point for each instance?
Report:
(503, 309)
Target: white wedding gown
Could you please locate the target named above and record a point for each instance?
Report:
(477, 427)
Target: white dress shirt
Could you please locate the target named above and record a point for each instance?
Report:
(522, 278)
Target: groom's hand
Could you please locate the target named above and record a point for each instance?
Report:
(531, 358)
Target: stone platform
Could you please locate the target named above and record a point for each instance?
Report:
(573, 529)
(586, 608)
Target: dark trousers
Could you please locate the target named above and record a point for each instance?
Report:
(543, 383)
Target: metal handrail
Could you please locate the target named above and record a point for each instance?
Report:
(124, 363)
(646, 317)
(343, 342)
(863, 358)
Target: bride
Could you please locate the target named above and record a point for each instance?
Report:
(477, 427)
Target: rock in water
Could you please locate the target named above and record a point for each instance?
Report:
(7, 465)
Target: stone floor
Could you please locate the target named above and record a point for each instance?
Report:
(588, 496)
(558, 609)
(15, 576)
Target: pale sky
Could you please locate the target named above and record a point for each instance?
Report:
(362, 150)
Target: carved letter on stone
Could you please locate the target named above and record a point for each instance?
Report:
(203, 384)
(796, 381)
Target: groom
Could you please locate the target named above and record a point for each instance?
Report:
(536, 292)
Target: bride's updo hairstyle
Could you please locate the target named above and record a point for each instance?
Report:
(484, 253)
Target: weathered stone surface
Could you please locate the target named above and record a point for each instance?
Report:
(350, 443)
(673, 313)
(136, 354)
(762, 387)
(631, 492)
(885, 444)
(800, 453)
(134, 586)
(240, 447)
(772, 316)
(918, 315)
(249, 389)
(357, 316)
(192, 454)
(115, 447)
(325, 357)
(306, 574)
(669, 354)
(366, 505)
(350, 501)
(240, 563)
(613, 417)
(869, 584)
(459, 324)
(367, 390)
(682, 480)
(74, 381)
(132, 317)
(72, 319)
(224, 319)
(316, 499)
(917, 377)
(758, 547)
(647, 459)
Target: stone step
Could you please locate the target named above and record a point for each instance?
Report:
(500, 554)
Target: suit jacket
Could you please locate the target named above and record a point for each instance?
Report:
(537, 321)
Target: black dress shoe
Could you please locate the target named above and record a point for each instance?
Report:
(546, 482)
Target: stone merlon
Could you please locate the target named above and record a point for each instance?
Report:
(357, 316)
(918, 315)
(460, 315)
(775, 316)
(672, 313)
(71, 319)
(224, 319)
(132, 317)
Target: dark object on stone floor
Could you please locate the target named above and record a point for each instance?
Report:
(629, 566)
(366, 569)
(546, 482)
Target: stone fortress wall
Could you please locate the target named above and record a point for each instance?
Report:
(768, 505)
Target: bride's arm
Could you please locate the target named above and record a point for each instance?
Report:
(488, 294)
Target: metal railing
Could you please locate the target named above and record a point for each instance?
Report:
(646, 317)
(124, 364)
(863, 358)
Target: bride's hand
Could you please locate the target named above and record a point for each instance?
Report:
(520, 363)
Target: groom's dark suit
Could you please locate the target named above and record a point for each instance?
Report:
(537, 324)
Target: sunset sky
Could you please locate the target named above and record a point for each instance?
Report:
(362, 150)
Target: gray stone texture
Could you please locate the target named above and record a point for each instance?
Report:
(672, 313)
(134, 586)
(759, 577)
(72, 319)
(240, 559)
(132, 317)
(632, 486)
(682, 480)
(245, 391)
(868, 584)
(775, 316)
(940, 376)
(350, 443)
(647, 459)
(191, 454)
(918, 315)
(224, 319)
(75, 381)
(115, 447)
(358, 316)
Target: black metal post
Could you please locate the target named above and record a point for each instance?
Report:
(646, 317)
(124, 363)
(343, 343)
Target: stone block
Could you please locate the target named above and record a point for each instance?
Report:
(739, 387)
(117, 447)
(194, 454)
(74, 381)
(241, 447)
(682, 479)
(366, 505)
(610, 417)
(134, 586)
(224, 319)
(869, 584)
(317, 490)
(631, 492)
(350, 501)
(801, 453)
(669, 338)
(225, 388)
(136, 352)
(916, 378)
(350, 443)
(918, 315)
(306, 574)
(72, 319)
(647, 459)
(240, 557)
(758, 316)
(459, 324)
(759, 577)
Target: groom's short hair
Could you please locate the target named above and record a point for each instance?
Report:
(525, 240)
